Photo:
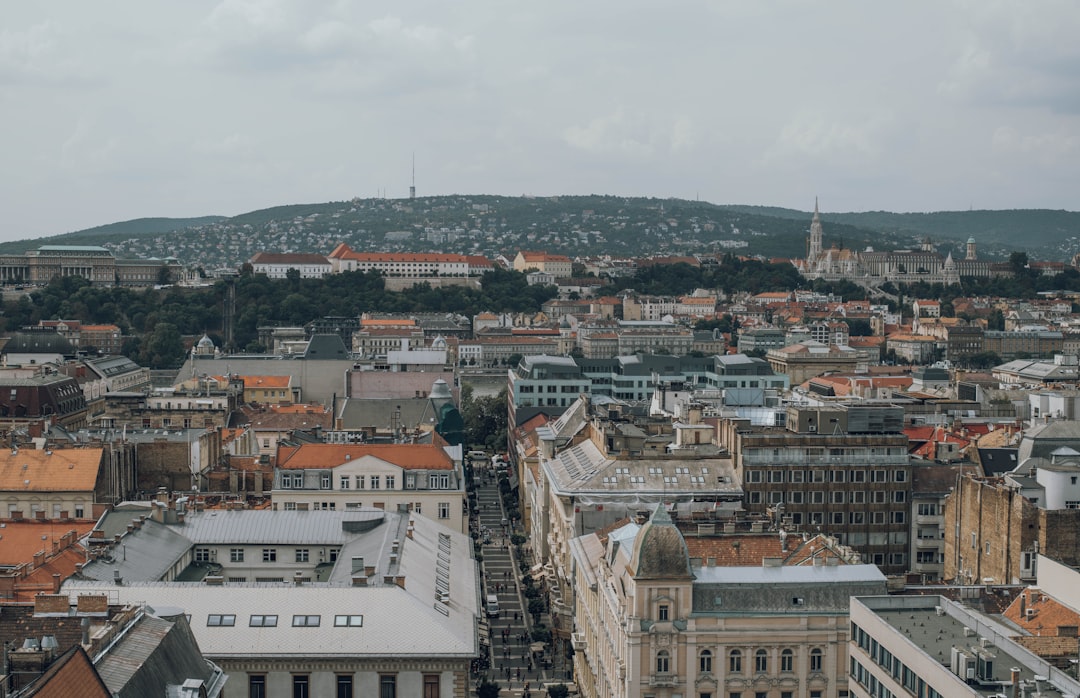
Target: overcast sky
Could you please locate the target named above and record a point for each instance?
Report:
(117, 110)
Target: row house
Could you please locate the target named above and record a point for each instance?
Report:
(422, 478)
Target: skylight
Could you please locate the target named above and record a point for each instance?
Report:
(347, 621)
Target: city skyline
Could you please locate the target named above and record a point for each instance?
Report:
(124, 110)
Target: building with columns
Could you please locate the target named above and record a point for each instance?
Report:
(653, 621)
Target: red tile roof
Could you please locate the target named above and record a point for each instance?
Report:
(407, 456)
(62, 470)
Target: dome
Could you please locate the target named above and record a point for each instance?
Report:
(206, 343)
(660, 551)
(440, 390)
(438, 344)
(971, 240)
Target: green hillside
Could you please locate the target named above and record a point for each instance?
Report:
(112, 232)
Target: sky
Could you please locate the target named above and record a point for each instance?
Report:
(115, 110)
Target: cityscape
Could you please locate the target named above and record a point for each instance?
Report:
(551, 350)
(605, 492)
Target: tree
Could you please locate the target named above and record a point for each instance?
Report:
(559, 690)
(1019, 262)
(488, 689)
(163, 348)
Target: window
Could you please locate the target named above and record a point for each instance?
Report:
(705, 661)
(345, 480)
(928, 509)
(324, 481)
(353, 621)
(858, 476)
(838, 475)
(795, 497)
(374, 482)
(269, 554)
(220, 620)
(387, 686)
(787, 660)
(755, 498)
(390, 482)
(302, 554)
(359, 482)
(753, 476)
(815, 659)
(444, 510)
(263, 621)
(344, 686)
(776, 497)
(306, 621)
(431, 686)
(202, 554)
(898, 517)
(662, 612)
(776, 476)
(663, 662)
(858, 497)
(761, 661)
(410, 482)
(877, 517)
(899, 496)
(301, 686)
(836, 497)
(735, 661)
(857, 517)
(838, 518)
(797, 601)
(899, 476)
(878, 476)
(257, 686)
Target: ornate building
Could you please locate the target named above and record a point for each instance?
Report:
(904, 266)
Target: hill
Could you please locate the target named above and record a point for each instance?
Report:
(112, 232)
(571, 225)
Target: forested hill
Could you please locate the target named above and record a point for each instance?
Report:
(572, 225)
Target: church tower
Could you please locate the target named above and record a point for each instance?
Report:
(970, 248)
(813, 248)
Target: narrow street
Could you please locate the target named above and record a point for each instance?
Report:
(513, 663)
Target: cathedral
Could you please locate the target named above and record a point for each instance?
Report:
(900, 266)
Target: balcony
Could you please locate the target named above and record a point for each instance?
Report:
(663, 680)
(930, 519)
(578, 641)
(930, 543)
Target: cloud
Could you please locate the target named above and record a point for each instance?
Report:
(824, 137)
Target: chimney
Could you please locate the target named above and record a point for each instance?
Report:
(1014, 680)
(395, 545)
(359, 579)
(51, 604)
(400, 580)
(56, 581)
(39, 559)
(117, 579)
(117, 537)
(93, 604)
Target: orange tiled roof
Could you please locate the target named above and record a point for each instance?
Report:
(21, 539)
(1042, 614)
(266, 381)
(391, 322)
(740, 550)
(407, 456)
(63, 470)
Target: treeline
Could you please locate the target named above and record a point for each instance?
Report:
(156, 319)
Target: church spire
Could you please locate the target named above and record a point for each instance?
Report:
(813, 250)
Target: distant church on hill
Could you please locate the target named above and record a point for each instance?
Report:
(902, 266)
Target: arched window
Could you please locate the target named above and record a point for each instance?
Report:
(787, 661)
(663, 662)
(735, 662)
(761, 661)
(705, 661)
(815, 659)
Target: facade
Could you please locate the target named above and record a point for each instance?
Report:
(401, 264)
(559, 266)
(650, 620)
(840, 470)
(423, 479)
(95, 264)
(278, 265)
(44, 401)
(801, 362)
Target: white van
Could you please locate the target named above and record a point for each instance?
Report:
(478, 455)
(492, 606)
